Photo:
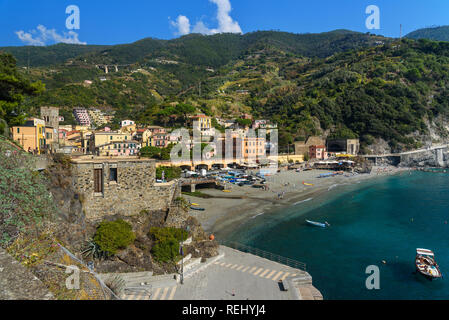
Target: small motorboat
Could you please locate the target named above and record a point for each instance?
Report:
(198, 209)
(426, 264)
(318, 224)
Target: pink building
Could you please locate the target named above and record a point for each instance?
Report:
(82, 116)
(318, 152)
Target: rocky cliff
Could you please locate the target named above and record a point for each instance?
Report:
(438, 158)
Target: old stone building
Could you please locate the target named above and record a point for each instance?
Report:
(302, 147)
(120, 186)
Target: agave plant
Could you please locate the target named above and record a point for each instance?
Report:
(93, 249)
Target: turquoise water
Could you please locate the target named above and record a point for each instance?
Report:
(383, 219)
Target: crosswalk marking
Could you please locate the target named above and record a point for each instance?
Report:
(261, 272)
(264, 273)
(285, 275)
(156, 294)
(277, 276)
(270, 274)
(257, 272)
(172, 294)
(164, 294)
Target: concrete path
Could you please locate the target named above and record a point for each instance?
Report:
(237, 276)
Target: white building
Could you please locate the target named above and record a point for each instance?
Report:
(126, 123)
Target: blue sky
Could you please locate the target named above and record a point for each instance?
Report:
(113, 22)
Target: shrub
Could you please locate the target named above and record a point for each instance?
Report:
(166, 251)
(112, 236)
(167, 240)
(170, 173)
(164, 234)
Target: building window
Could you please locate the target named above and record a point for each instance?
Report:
(18, 130)
(98, 180)
(113, 174)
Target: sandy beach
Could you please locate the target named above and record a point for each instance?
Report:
(286, 188)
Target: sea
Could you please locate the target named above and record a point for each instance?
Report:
(376, 224)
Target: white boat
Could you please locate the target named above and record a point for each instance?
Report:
(318, 224)
(426, 264)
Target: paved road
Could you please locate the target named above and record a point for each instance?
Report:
(237, 276)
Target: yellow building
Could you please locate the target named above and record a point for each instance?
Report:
(202, 122)
(31, 136)
(102, 138)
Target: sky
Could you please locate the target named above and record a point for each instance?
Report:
(43, 22)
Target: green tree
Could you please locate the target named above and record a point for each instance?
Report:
(13, 89)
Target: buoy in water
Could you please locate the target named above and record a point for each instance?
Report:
(211, 237)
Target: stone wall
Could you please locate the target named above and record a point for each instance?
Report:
(438, 158)
(135, 189)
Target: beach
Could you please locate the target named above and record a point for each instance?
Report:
(225, 210)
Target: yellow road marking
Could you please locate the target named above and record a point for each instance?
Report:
(257, 272)
(285, 275)
(270, 274)
(164, 293)
(264, 273)
(278, 275)
(154, 297)
(172, 294)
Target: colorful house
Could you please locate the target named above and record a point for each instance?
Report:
(31, 136)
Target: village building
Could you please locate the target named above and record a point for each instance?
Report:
(31, 136)
(318, 152)
(118, 149)
(82, 117)
(120, 186)
(203, 124)
(302, 147)
(97, 117)
(345, 146)
(51, 117)
(126, 123)
(102, 138)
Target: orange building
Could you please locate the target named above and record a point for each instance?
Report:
(31, 136)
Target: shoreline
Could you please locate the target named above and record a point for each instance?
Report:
(224, 214)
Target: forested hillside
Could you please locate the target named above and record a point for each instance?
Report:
(440, 33)
(341, 83)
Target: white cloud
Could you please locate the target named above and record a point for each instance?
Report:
(41, 36)
(225, 21)
(182, 23)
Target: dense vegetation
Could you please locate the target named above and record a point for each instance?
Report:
(14, 86)
(440, 33)
(111, 236)
(25, 202)
(341, 84)
(166, 248)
